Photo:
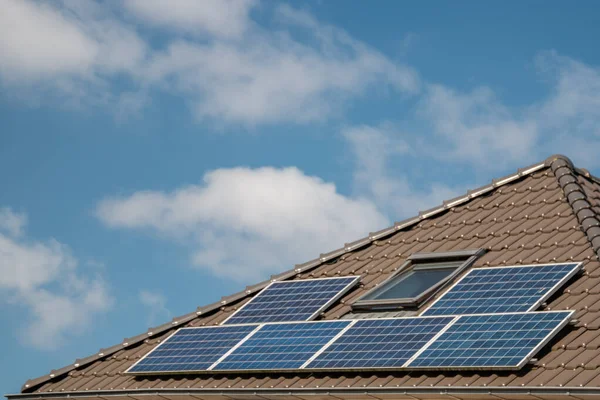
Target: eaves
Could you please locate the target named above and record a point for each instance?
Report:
(374, 393)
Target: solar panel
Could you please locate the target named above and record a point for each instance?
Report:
(503, 289)
(281, 346)
(300, 300)
(493, 341)
(192, 349)
(379, 343)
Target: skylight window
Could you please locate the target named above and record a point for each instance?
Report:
(419, 278)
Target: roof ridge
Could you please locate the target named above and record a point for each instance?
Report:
(299, 268)
(565, 172)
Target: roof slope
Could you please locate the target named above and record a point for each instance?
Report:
(547, 213)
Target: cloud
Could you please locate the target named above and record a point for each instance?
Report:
(80, 39)
(476, 126)
(156, 304)
(271, 77)
(254, 63)
(373, 147)
(221, 18)
(236, 71)
(246, 223)
(575, 96)
(36, 41)
(44, 278)
(407, 42)
(67, 49)
(11, 222)
(570, 116)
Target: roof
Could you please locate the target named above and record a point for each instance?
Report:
(548, 212)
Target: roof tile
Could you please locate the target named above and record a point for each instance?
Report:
(581, 378)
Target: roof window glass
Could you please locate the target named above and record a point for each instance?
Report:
(419, 278)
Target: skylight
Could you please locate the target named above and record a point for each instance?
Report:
(418, 279)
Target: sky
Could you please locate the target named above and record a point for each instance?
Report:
(157, 156)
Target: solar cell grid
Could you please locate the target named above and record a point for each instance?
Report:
(502, 289)
(281, 346)
(494, 341)
(192, 349)
(379, 343)
(291, 300)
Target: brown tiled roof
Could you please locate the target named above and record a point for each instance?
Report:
(545, 213)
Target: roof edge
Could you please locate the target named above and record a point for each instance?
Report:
(565, 173)
(300, 268)
(432, 390)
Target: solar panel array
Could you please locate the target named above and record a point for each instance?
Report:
(282, 346)
(300, 300)
(379, 343)
(502, 289)
(192, 349)
(495, 341)
(482, 330)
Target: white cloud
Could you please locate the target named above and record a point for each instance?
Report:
(570, 116)
(222, 18)
(36, 41)
(68, 49)
(476, 126)
(237, 72)
(231, 69)
(156, 304)
(276, 81)
(44, 278)
(12, 222)
(273, 77)
(575, 98)
(246, 223)
(78, 39)
(373, 147)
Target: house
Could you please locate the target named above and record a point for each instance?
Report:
(547, 213)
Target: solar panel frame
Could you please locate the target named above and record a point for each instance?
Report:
(132, 369)
(568, 314)
(353, 280)
(295, 346)
(577, 266)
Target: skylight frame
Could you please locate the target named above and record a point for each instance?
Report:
(415, 262)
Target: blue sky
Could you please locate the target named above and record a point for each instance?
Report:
(158, 156)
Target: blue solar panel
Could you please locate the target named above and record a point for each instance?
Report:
(192, 349)
(281, 346)
(494, 341)
(502, 289)
(379, 343)
(300, 300)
